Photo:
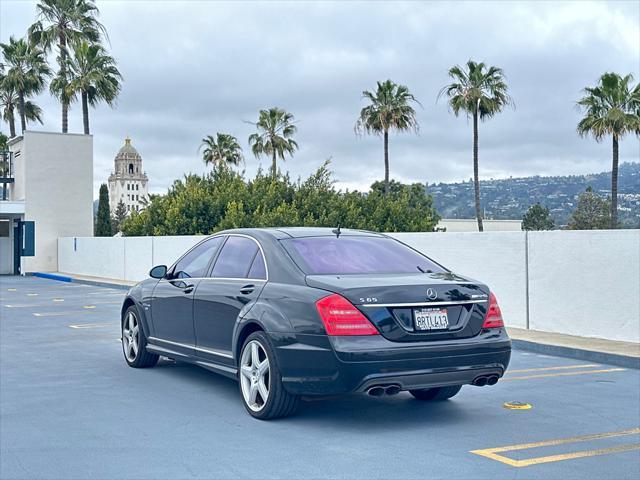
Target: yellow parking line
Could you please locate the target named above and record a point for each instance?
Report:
(493, 453)
(562, 374)
(543, 369)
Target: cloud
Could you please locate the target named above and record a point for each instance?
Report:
(193, 68)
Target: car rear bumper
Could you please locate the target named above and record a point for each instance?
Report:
(322, 365)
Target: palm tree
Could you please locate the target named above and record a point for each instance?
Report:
(26, 75)
(92, 74)
(611, 108)
(59, 23)
(479, 92)
(9, 101)
(275, 129)
(221, 151)
(389, 110)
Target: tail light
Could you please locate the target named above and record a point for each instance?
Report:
(340, 317)
(494, 315)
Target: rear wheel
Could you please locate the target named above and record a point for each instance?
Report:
(440, 393)
(261, 387)
(134, 342)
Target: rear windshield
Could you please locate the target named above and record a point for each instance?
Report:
(355, 254)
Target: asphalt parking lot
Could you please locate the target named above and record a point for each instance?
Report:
(71, 408)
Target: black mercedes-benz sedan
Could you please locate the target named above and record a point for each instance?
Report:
(314, 311)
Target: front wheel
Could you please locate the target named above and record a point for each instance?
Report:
(440, 393)
(134, 342)
(261, 387)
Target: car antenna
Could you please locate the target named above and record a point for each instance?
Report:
(336, 231)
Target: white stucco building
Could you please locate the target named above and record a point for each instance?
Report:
(128, 183)
(46, 184)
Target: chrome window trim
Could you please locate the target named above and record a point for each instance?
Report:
(184, 279)
(424, 304)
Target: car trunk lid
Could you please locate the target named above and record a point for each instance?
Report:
(398, 304)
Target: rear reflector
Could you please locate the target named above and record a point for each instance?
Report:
(494, 315)
(340, 317)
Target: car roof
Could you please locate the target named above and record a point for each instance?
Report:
(299, 232)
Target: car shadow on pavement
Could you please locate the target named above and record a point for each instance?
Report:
(346, 412)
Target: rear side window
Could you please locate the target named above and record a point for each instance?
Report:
(236, 258)
(355, 254)
(194, 263)
(258, 271)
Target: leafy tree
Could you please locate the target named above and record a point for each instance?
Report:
(119, 214)
(221, 151)
(274, 136)
(224, 199)
(389, 109)
(4, 142)
(480, 93)
(591, 213)
(59, 23)
(103, 219)
(94, 75)
(611, 108)
(25, 76)
(537, 218)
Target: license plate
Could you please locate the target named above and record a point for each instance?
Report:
(431, 319)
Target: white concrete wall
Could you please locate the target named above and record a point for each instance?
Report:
(471, 225)
(56, 171)
(585, 283)
(579, 283)
(120, 258)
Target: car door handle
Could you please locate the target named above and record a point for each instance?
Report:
(247, 289)
(188, 289)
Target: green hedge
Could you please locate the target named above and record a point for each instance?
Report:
(224, 199)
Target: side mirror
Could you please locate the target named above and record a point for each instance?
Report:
(159, 271)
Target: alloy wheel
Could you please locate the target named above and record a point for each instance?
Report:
(254, 375)
(130, 336)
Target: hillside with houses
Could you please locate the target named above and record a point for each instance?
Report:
(510, 198)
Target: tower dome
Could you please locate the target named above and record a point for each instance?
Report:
(127, 151)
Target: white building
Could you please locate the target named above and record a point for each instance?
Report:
(46, 192)
(128, 183)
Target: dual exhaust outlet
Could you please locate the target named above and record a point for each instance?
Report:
(380, 390)
(483, 380)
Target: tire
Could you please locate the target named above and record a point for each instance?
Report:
(255, 379)
(435, 394)
(134, 341)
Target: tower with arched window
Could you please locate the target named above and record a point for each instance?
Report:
(128, 183)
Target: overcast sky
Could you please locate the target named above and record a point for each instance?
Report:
(193, 68)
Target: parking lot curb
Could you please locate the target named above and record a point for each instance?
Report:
(52, 276)
(82, 281)
(577, 353)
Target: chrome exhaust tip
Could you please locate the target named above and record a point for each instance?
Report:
(392, 390)
(376, 391)
(492, 380)
(480, 381)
